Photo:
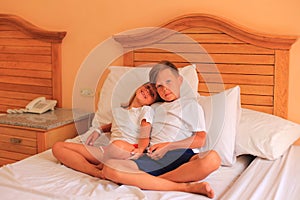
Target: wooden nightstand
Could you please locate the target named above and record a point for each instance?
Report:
(23, 135)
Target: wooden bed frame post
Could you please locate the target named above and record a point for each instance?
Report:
(57, 73)
(281, 82)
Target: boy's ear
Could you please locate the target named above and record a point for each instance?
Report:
(180, 78)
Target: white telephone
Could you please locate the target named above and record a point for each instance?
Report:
(38, 105)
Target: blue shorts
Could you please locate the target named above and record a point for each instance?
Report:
(169, 162)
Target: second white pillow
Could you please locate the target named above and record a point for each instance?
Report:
(265, 135)
(222, 114)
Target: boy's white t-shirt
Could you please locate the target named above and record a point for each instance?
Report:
(177, 120)
(126, 123)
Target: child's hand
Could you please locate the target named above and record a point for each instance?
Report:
(92, 138)
(157, 151)
(136, 153)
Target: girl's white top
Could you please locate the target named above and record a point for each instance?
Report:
(126, 123)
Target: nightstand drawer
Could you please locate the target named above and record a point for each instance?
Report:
(18, 140)
(10, 157)
(17, 132)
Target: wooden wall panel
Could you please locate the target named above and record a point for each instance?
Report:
(211, 88)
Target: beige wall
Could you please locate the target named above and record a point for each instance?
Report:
(91, 21)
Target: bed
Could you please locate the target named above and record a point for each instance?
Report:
(244, 73)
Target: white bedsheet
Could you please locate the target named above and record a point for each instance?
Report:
(42, 177)
(269, 180)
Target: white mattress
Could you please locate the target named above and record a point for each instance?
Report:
(269, 180)
(42, 177)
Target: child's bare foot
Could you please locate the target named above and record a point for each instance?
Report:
(201, 188)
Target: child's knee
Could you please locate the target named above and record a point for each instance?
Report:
(57, 147)
(215, 159)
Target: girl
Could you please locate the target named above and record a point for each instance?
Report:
(129, 138)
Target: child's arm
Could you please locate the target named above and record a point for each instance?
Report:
(95, 134)
(197, 140)
(144, 139)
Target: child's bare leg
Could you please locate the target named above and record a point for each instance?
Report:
(118, 149)
(196, 169)
(79, 157)
(127, 172)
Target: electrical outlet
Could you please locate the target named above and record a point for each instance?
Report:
(87, 92)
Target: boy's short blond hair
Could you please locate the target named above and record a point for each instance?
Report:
(161, 66)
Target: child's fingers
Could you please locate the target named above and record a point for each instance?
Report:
(134, 156)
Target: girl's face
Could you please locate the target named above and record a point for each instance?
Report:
(146, 94)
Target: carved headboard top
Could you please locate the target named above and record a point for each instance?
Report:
(30, 62)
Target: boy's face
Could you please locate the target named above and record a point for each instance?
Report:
(168, 85)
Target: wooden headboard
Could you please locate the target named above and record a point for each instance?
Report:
(258, 63)
(30, 63)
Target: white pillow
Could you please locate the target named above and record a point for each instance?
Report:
(122, 82)
(265, 135)
(222, 115)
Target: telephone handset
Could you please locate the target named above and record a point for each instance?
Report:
(38, 105)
